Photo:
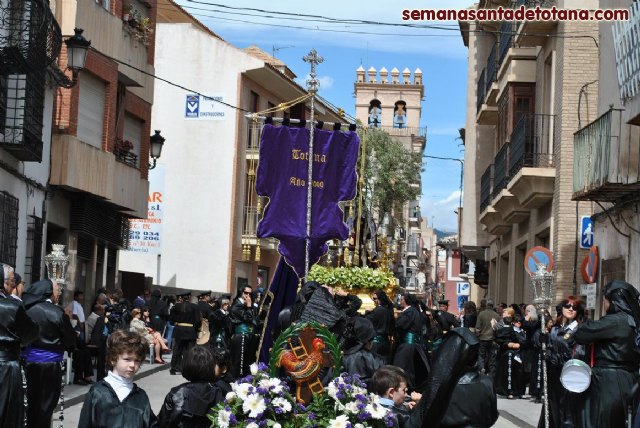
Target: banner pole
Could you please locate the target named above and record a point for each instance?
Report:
(312, 86)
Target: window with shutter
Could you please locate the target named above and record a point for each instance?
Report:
(91, 110)
(133, 133)
(9, 206)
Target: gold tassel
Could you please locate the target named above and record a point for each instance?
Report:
(257, 258)
(259, 207)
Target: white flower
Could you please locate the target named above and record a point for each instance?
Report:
(341, 421)
(241, 390)
(253, 425)
(277, 425)
(358, 426)
(332, 390)
(271, 382)
(254, 369)
(230, 396)
(352, 406)
(253, 405)
(223, 418)
(376, 411)
(282, 403)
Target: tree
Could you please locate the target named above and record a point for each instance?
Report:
(390, 171)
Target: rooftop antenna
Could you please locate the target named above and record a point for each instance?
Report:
(276, 48)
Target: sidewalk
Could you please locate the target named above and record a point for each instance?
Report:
(522, 413)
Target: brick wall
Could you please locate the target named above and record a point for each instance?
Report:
(576, 65)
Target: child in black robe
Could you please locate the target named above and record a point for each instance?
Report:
(116, 401)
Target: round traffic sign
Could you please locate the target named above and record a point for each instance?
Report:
(589, 267)
(536, 256)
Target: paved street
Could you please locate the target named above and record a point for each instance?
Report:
(513, 413)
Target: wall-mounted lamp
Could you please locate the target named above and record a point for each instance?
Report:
(157, 141)
(77, 48)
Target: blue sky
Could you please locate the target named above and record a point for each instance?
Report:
(439, 53)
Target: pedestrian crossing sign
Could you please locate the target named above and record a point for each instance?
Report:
(586, 232)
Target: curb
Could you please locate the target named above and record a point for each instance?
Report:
(80, 398)
(515, 420)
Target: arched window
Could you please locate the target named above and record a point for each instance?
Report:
(375, 114)
(400, 115)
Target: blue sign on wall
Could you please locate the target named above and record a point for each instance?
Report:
(192, 109)
(586, 232)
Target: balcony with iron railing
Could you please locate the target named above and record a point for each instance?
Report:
(486, 181)
(531, 33)
(481, 85)
(491, 77)
(530, 143)
(250, 220)
(606, 162)
(500, 170)
(505, 41)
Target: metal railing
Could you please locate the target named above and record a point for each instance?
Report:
(500, 170)
(492, 68)
(126, 157)
(506, 40)
(627, 49)
(403, 132)
(250, 221)
(480, 90)
(601, 157)
(531, 143)
(486, 181)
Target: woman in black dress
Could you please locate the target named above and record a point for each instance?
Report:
(470, 316)
(383, 322)
(616, 357)
(564, 406)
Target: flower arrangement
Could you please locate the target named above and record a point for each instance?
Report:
(256, 400)
(353, 278)
(261, 401)
(123, 145)
(139, 26)
(345, 404)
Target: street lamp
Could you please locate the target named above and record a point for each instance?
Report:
(77, 48)
(157, 141)
(56, 262)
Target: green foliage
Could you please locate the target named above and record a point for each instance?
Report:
(353, 278)
(389, 172)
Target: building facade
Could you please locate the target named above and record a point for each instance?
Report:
(100, 143)
(211, 209)
(529, 89)
(607, 153)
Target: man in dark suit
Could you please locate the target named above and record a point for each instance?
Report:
(446, 319)
(186, 318)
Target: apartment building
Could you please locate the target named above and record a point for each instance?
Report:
(607, 152)
(531, 85)
(28, 85)
(210, 207)
(100, 143)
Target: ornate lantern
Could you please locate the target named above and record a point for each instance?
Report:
(56, 262)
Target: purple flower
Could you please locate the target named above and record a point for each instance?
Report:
(261, 390)
(232, 419)
(263, 367)
(361, 398)
(311, 416)
(301, 407)
(364, 416)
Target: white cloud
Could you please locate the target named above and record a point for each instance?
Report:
(453, 197)
(451, 132)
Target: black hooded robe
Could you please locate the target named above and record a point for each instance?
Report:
(616, 358)
(410, 354)
(187, 405)
(44, 379)
(16, 329)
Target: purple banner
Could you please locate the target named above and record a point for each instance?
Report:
(282, 176)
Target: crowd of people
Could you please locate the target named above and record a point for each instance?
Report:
(425, 364)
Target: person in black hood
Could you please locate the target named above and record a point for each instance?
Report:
(16, 329)
(358, 357)
(458, 352)
(44, 356)
(410, 355)
(186, 405)
(383, 322)
(615, 355)
(474, 402)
